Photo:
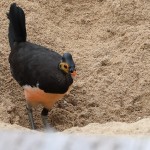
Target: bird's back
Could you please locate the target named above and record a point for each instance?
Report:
(35, 65)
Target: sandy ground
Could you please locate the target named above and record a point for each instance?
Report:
(110, 43)
(136, 129)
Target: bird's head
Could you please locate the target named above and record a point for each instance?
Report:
(67, 64)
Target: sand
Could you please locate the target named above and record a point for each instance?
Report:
(110, 43)
(140, 128)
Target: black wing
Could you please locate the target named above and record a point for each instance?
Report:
(35, 65)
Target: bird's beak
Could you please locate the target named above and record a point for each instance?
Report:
(74, 73)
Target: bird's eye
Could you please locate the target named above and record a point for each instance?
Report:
(65, 66)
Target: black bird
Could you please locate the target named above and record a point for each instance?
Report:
(44, 74)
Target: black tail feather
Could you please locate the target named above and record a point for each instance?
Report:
(17, 27)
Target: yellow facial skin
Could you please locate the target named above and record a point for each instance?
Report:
(64, 67)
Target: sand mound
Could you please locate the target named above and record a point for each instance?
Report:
(139, 128)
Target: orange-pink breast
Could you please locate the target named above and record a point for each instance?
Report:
(35, 96)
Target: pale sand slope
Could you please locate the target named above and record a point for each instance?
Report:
(139, 128)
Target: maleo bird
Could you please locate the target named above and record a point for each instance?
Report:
(44, 74)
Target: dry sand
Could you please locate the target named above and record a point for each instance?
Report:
(110, 43)
(136, 129)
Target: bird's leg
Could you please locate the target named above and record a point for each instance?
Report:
(44, 116)
(30, 115)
